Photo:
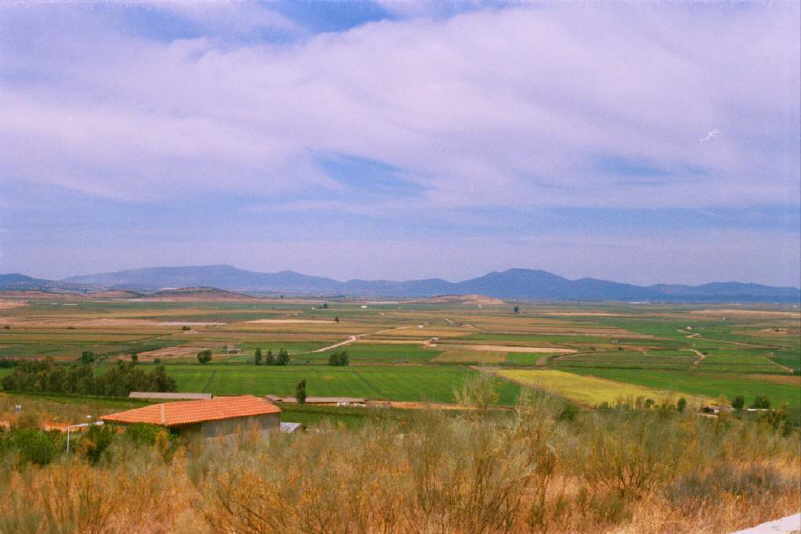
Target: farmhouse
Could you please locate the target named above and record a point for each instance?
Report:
(206, 418)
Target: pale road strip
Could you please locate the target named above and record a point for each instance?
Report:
(348, 341)
(700, 355)
(351, 339)
(786, 525)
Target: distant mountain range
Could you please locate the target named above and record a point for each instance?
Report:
(524, 284)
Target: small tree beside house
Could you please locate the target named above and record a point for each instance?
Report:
(300, 392)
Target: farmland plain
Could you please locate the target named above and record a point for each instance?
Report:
(418, 350)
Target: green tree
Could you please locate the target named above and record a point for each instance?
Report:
(338, 358)
(517, 309)
(300, 392)
(283, 357)
(269, 359)
(761, 402)
(87, 357)
(257, 357)
(738, 403)
(681, 405)
(204, 356)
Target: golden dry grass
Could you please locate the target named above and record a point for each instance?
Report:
(463, 475)
(585, 390)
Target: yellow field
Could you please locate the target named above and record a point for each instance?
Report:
(586, 390)
(467, 356)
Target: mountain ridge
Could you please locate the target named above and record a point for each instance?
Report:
(515, 283)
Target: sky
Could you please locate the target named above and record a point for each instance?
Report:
(636, 141)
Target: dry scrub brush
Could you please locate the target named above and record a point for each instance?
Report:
(643, 471)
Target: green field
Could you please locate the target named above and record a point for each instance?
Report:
(403, 383)
(384, 353)
(652, 346)
(585, 390)
(710, 385)
(662, 359)
(739, 361)
(523, 358)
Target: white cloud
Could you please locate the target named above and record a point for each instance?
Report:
(490, 107)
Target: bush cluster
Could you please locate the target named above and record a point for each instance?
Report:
(339, 358)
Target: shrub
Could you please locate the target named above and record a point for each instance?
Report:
(761, 402)
(204, 356)
(339, 358)
(694, 492)
(478, 391)
(568, 413)
(34, 446)
(95, 441)
(143, 434)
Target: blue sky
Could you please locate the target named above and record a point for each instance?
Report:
(639, 142)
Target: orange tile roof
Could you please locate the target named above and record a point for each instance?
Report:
(195, 411)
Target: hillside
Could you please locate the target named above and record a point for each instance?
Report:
(471, 300)
(21, 282)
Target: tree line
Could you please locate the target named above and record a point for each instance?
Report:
(282, 358)
(118, 381)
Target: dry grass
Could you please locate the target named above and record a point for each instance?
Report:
(470, 356)
(585, 390)
(529, 471)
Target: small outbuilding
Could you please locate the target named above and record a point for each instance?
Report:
(206, 418)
